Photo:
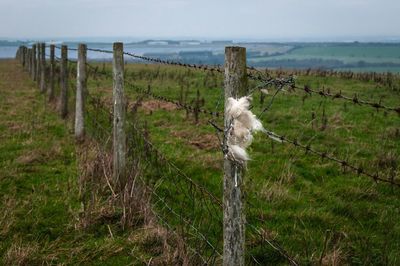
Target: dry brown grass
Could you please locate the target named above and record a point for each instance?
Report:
(131, 209)
(153, 105)
(7, 217)
(40, 155)
(20, 253)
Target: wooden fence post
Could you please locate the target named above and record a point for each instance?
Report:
(80, 93)
(17, 53)
(38, 64)
(43, 68)
(23, 55)
(64, 82)
(50, 91)
(119, 139)
(33, 70)
(234, 218)
(29, 61)
(26, 58)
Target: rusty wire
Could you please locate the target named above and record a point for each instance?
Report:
(324, 155)
(187, 107)
(355, 99)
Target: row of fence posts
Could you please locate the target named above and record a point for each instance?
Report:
(235, 85)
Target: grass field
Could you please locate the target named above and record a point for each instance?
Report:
(40, 204)
(305, 200)
(350, 53)
(317, 212)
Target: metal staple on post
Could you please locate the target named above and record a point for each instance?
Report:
(119, 139)
(234, 217)
(80, 93)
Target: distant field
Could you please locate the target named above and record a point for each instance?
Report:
(360, 57)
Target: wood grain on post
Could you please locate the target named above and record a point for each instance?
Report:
(234, 218)
(33, 70)
(43, 68)
(38, 63)
(119, 139)
(80, 93)
(50, 91)
(64, 82)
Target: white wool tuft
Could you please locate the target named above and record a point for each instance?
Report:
(239, 153)
(265, 91)
(243, 125)
(236, 107)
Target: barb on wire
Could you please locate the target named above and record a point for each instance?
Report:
(325, 155)
(355, 99)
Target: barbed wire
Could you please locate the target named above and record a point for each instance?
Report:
(172, 229)
(212, 68)
(324, 155)
(355, 99)
(171, 210)
(187, 107)
(274, 244)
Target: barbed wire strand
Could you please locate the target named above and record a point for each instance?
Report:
(324, 155)
(355, 99)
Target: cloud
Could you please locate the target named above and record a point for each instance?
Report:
(264, 19)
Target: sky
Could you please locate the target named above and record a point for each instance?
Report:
(204, 19)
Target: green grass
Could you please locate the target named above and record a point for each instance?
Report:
(306, 203)
(39, 194)
(303, 199)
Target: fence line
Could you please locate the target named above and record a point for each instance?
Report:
(355, 99)
(137, 145)
(324, 155)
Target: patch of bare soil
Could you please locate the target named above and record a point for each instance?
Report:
(203, 142)
(153, 105)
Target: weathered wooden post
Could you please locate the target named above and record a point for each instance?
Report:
(43, 68)
(29, 61)
(38, 63)
(26, 57)
(119, 139)
(50, 91)
(64, 82)
(23, 55)
(234, 217)
(80, 93)
(17, 53)
(33, 72)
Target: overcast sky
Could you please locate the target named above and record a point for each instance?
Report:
(215, 19)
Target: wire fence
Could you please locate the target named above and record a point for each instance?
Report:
(184, 205)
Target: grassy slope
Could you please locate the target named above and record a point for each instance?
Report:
(304, 200)
(39, 204)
